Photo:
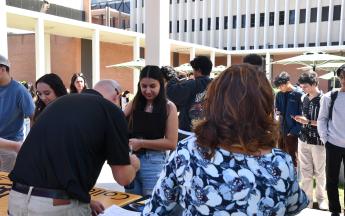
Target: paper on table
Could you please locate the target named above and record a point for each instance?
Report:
(118, 211)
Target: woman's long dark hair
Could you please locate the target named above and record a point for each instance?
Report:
(55, 83)
(72, 87)
(160, 102)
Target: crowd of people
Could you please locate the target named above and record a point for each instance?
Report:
(193, 145)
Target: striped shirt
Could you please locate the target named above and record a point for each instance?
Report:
(310, 109)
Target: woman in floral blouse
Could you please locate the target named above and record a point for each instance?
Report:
(231, 165)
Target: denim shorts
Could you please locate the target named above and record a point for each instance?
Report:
(151, 165)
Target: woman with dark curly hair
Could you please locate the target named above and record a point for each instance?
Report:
(78, 83)
(231, 166)
(48, 88)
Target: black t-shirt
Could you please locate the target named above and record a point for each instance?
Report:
(68, 145)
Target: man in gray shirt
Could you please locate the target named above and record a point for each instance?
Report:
(331, 130)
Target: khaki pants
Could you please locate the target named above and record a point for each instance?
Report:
(20, 204)
(312, 162)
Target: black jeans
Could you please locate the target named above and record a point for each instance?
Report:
(334, 156)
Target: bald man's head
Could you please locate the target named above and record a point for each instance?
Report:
(110, 89)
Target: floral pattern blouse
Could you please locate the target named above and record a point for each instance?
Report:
(230, 184)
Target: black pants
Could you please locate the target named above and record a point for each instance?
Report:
(334, 156)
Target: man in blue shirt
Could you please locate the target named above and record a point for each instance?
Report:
(288, 105)
(15, 104)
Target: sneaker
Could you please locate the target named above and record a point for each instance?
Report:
(323, 205)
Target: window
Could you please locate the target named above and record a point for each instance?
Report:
(336, 12)
(261, 47)
(302, 16)
(136, 27)
(233, 48)
(252, 20)
(323, 44)
(178, 26)
(301, 45)
(234, 22)
(335, 43)
(193, 25)
(142, 3)
(243, 21)
(142, 28)
(185, 25)
(200, 24)
(292, 17)
(290, 45)
(251, 47)
(208, 23)
(170, 26)
(217, 23)
(313, 14)
(271, 19)
(262, 19)
(311, 44)
(170, 1)
(281, 17)
(280, 46)
(242, 47)
(324, 15)
(226, 22)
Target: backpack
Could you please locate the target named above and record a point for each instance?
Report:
(334, 95)
(196, 109)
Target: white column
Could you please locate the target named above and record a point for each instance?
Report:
(295, 34)
(132, 15)
(213, 23)
(96, 74)
(268, 66)
(181, 22)
(238, 23)
(286, 22)
(276, 23)
(341, 23)
(136, 56)
(189, 21)
(39, 48)
(196, 22)
(204, 22)
(192, 53)
(139, 10)
(221, 24)
(213, 57)
(3, 26)
(257, 23)
(47, 53)
(246, 34)
(107, 17)
(318, 23)
(157, 43)
(229, 30)
(173, 19)
(330, 22)
(307, 21)
(228, 60)
(266, 24)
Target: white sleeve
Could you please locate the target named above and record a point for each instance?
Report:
(322, 120)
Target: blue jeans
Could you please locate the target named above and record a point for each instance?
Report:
(151, 165)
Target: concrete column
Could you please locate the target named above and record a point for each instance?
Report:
(238, 23)
(132, 14)
(204, 22)
(228, 60)
(189, 21)
(96, 74)
(221, 24)
(276, 23)
(181, 21)
(213, 57)
(173, 15)
(196, 22)
(318, 23)
(295, 34)
(246, 34)
(139, 10)
(107, 17)
(286, 22)
(136, 55)
(192, 53)
(3, 26)
(341, 23)
(47, 53)
(39, 48)
(229, 32)
(157, 51)
(330, 22)
(257, 23)
(266, 24)
(213, 23)
(307, 21)
(268, 66)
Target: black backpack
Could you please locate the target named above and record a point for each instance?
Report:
(334, 95)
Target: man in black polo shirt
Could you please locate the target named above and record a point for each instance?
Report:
(63, 155)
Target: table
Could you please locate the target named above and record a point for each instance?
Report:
(106, 197)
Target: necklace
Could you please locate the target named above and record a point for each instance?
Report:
(149, 107)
